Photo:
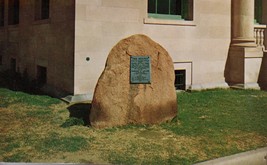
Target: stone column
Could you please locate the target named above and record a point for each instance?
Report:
(244, 57)
(243, 23)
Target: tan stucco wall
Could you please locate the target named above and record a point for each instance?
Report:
(48, 43)
(202, 43)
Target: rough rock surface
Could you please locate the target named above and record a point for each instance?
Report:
(116, 102)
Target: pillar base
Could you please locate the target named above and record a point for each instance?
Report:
(246, 86)
(243, 42)
(243, 67)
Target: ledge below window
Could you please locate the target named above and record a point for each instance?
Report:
(42, 21)
(168, 22)
(13, 26)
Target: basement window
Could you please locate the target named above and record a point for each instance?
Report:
(2, 12)
(41, 75)
(180, 77)
(42, 9)
(13, 12)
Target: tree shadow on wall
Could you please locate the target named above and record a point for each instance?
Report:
(79, 115)
(263, 73)
(234, 68)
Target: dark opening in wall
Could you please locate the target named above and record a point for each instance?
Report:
(45, 9)
(180, 77)
(13, 65)
(2, 12)
(42, 9)
(13, 12)
(1, 60)
(41, 75)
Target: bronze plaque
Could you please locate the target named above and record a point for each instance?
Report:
(140, 70)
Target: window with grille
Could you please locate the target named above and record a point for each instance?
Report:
(171, 9)
(180, 79)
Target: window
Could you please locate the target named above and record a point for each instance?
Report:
(41, 75)
(180, 83)
(171, 9)
(2, 12)
(13, 12)
(41, 9)
(258, 11)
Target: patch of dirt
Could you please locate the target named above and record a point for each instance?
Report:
(243, 140)
(139, 143)
(143, 143)
(8, 121)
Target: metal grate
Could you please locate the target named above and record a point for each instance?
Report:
(180, 79)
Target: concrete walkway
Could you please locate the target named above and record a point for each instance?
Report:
(255, 157)
(2, 163)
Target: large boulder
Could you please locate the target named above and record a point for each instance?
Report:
(118, 102)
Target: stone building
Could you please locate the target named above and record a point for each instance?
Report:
(64, 43)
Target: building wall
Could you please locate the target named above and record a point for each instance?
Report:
(200, 46)
(48, 43)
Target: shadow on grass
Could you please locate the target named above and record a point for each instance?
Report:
(80, 111)
(21, 82)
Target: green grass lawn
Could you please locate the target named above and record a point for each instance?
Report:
(210, 124)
